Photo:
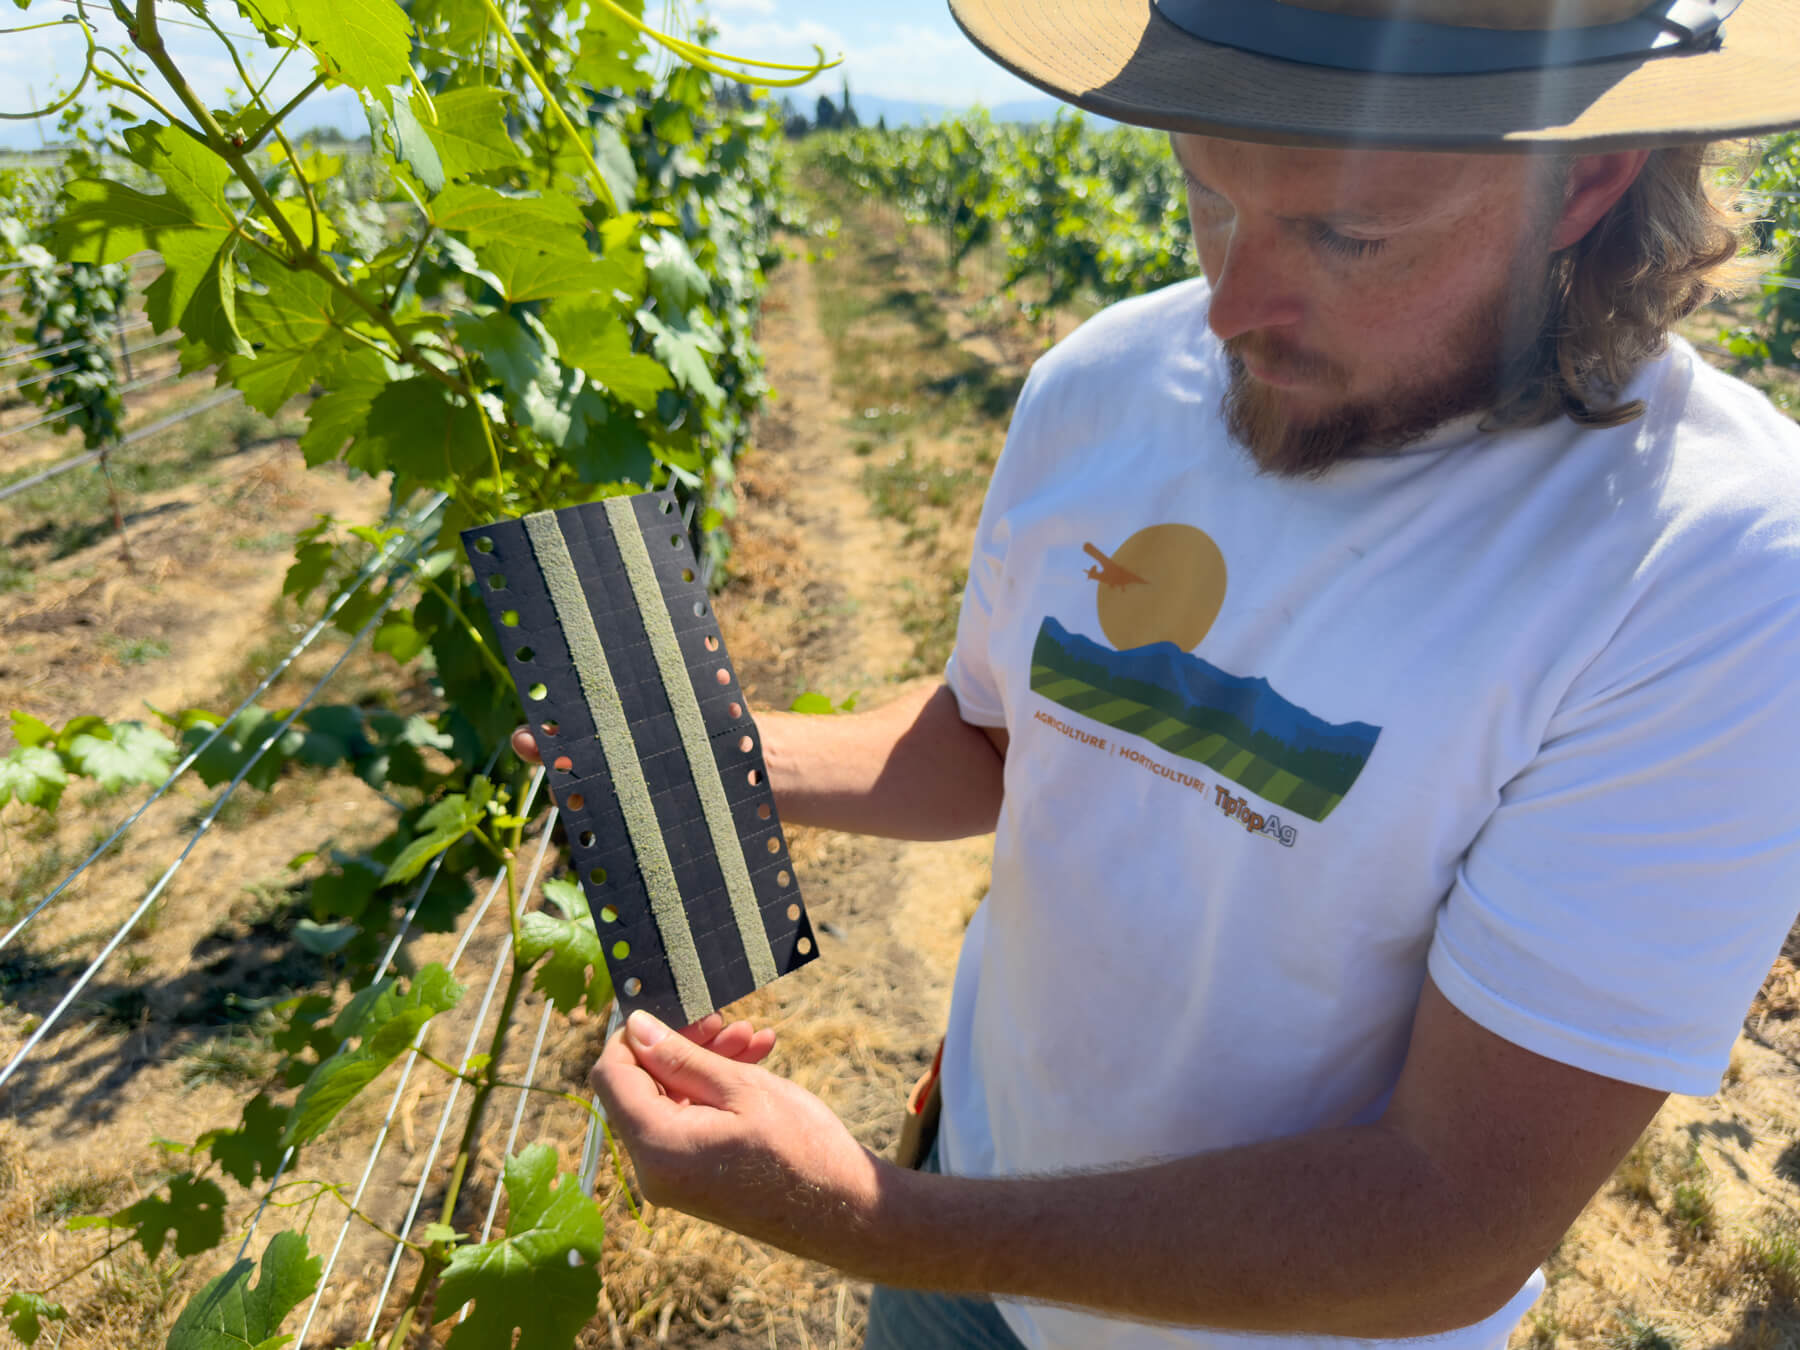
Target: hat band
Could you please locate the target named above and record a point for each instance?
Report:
(1413, 47)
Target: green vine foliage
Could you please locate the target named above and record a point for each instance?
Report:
(1775, 338)
(538, 287)
(1077, 211)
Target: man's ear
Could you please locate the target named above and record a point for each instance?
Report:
(1595, 183)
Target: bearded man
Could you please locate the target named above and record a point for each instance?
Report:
(1403, 802)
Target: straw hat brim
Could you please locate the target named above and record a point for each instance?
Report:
(1123, 60)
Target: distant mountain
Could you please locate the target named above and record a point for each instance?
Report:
(1245, 708)
(902, 112)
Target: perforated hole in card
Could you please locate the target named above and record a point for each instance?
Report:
(626, 684)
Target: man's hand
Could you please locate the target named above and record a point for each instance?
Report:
(715, 1136)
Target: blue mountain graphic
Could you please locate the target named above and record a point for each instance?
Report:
(1199, 685)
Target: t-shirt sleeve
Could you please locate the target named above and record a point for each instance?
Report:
(970, 671)
(1622, 905)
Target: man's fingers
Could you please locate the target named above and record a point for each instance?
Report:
(706, 1030)
(525, 746)
(629, 1095)
(681, 1067)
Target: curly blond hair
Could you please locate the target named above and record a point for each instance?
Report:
(1674, 241)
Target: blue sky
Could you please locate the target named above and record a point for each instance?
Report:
(890, 47)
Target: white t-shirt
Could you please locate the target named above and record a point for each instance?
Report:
(1519, 709)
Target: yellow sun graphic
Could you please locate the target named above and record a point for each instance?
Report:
(1164, 584)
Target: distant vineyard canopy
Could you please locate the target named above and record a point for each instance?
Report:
(1077, 211)
(1102, 214)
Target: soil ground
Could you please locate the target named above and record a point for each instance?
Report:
(894, 382)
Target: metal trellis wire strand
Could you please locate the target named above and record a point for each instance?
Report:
(405, 926)
(55, 1014)
(64, 466)
(14, 356)
(370, 569)
(287, 1156)
(133, 387)
(381, 1135)
(163, 341)
(487, 999)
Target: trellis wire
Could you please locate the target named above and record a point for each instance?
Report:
(373, 566)
(81, 982)
(381, 1135)
(481, 1013)
(19, 355)
(130, 388)
(51, 374)
(412, 911)
(132, 438)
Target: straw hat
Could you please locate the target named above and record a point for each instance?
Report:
(1415, 74)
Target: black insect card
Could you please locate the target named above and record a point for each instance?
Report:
(658, 768)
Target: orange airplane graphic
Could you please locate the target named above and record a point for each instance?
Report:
(1109, 573)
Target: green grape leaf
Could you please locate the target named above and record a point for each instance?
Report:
(572, 946)
(362, 43)
(448, 821)
(253, 1149)
(106, 221)
(527, 273)
(470, 134)
(675, 278)
(566, 414)
(197, 292)
(135, 753)
(230, 1314)
(525, 1292)
(611, 51)
(617, 166)
(26, 1314)
(384, 1019)
(345, 893)
(294, 210)
(75, 727)
(295, 328)
(552, 224)
(190, 224)
(34, 775)
(29, 731)
(684, 346)
(512, 351)
(398, 638)
(220, 761)
(592, 336)
(621, 455)
(194, 1212)
(407, 120)
(352, 382)
(416, 429)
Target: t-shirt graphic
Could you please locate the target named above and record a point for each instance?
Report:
(1158, 594)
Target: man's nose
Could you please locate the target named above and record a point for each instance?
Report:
(1253, 289)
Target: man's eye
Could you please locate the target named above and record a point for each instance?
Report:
(1343, 245)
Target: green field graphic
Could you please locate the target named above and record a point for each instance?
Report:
(1219, 753)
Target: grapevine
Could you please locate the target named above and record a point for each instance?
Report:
(540, 289)
(1077, 212)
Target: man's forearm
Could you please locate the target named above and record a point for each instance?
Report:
(1345, 1232)
(912, 769)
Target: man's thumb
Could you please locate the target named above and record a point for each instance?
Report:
(683, 1068)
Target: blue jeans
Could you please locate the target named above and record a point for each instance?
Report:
(909, 1319)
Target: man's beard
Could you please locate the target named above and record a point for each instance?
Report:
(1500, 345)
